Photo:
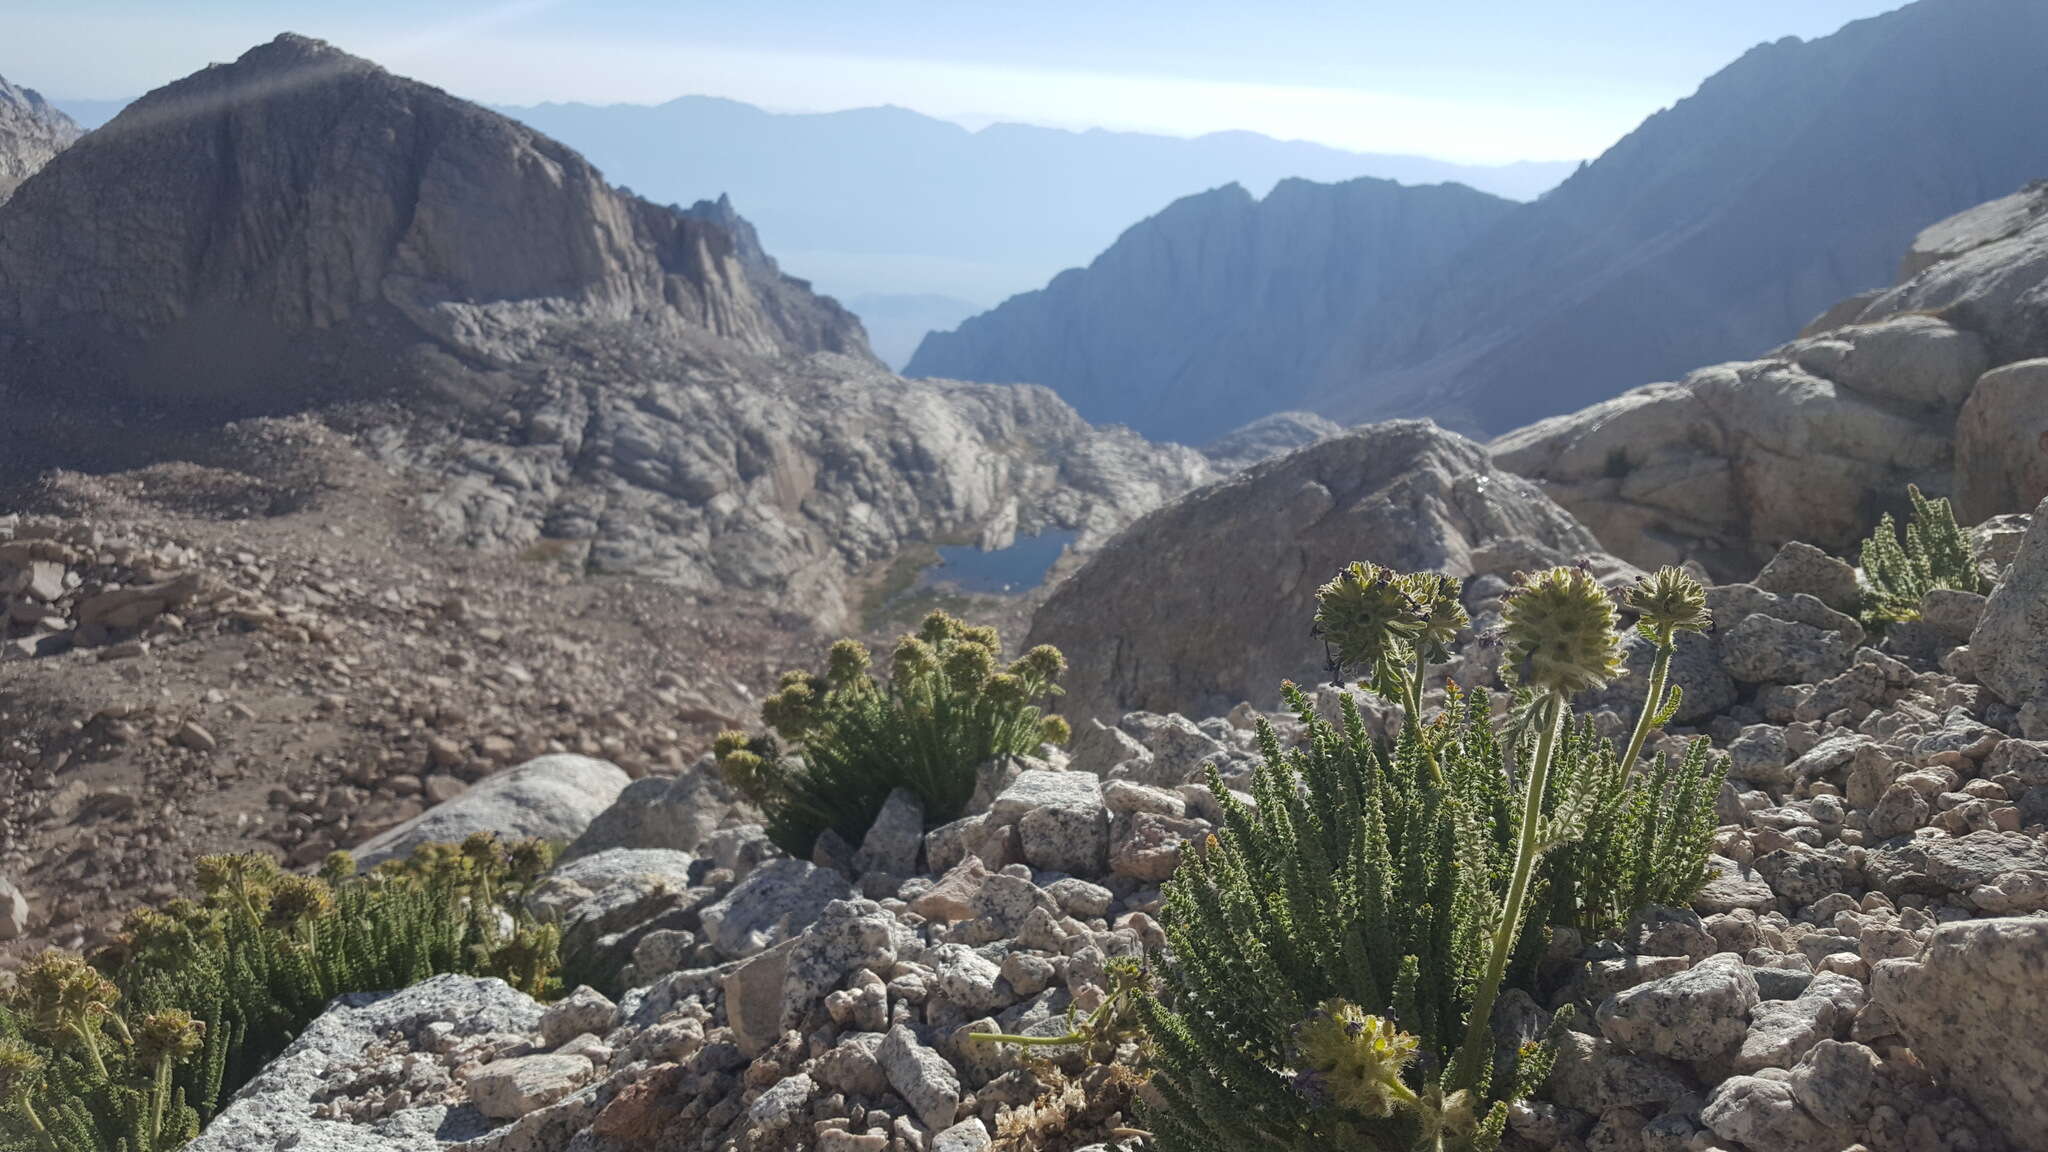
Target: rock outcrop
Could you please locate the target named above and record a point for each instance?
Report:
(550, 798)
(1968, 1004)
(31, 132)
(1269, 436)
(1205, 602)
(1928, 383)
(2009, 646)
(1791, 179)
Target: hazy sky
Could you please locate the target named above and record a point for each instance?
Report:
(1478, 80)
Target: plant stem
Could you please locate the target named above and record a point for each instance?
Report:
(1413, 699)
(1660, 671)
(43, 1136)
(84, 1030)
(162, 1097)
(1479, 1026)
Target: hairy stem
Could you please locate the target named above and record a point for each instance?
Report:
(162, 1097)
(1412, 698)
(43, 1136)
(1660, 672)
(84, 1029)
(1478, 1028)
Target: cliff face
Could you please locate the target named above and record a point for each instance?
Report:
(1791, 179)
(31, 132)
(290, 225)
(1223, 308)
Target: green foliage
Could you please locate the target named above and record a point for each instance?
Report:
(134, 1050)
(1647, 837)
(1337, 948)
(945, 709)
(1936, 553)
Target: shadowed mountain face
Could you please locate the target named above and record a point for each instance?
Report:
(31, 132)
(1791, 179)
(1214, 312)
(302, 224)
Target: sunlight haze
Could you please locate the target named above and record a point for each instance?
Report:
(1480, 83)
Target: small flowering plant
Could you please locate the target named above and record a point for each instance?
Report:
(946, 706)
(134, 1047)
(1335, 955)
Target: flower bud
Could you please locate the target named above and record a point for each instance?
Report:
(1667, 602)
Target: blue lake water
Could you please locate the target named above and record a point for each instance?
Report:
(1018, 568)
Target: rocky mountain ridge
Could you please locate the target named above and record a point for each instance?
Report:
(559, 365)
(1223, 308)
(1718, 228)
(304, 214)
(31, 131)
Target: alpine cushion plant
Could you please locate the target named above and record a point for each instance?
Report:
(1335, 953)
(945, 708)
(1936, 553)
(136, 1048)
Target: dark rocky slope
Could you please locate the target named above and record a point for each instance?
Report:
(1223, 308)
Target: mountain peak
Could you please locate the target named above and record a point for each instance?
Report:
(294, 224)
(31, 132)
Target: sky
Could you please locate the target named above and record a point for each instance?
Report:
(1476, 81)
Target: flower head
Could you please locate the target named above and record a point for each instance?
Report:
(1559, 628)
(21, 1069)
(481, 850)
(172, 1034)
(939, 627)
(58, 994)
(969, 665)
(338, 865)
(1043, 662)
(1353, 1059)
(298, 899)
(528, 860)
(1367, 617)
(1436, 597)
(1667, 602)
(849, 659)
(913, 661)
(1055, 730)
(791, 710)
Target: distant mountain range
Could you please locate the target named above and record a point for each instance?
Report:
(925, 222)
(885, 202)
(1791, 179)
